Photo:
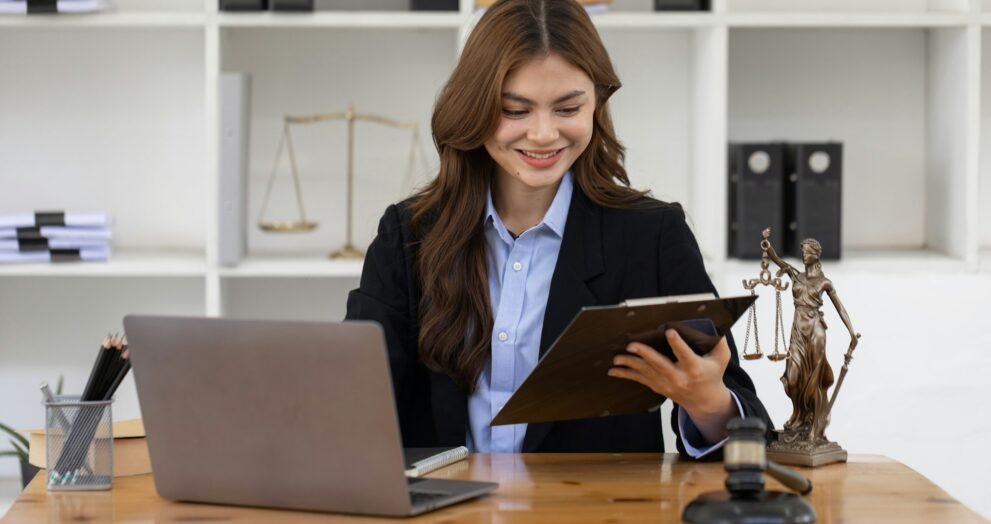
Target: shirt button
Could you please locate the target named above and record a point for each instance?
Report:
(503, 336)
(517, 266)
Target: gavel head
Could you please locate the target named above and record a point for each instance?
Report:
(745, 456)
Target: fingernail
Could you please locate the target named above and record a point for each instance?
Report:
(631, 348)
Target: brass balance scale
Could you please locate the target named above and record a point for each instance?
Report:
(779, 326)
(302, 224)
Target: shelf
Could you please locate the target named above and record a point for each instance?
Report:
(880, 262)
(342, 20)
(650, 19)
(141, 19)
(845, 19)
(294, 267)
(399, 19)
(126, 264)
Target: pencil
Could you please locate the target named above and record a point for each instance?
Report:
(101, 357)
(87, 420)
(121, 372)
(109, 373)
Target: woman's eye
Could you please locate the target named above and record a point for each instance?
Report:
(569, 110)
(511, 113)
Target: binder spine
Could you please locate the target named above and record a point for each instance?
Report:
(433, 5)
(235, 114)
(243, 5)
(815, 194)
(755, 197)
(291, 5)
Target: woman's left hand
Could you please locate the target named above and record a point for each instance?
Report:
(693, 382)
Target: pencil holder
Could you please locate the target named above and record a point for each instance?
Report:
(79, 444)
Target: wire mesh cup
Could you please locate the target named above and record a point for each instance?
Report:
(79, 444)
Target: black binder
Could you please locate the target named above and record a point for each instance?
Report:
(571, 380)
(681, 5)
(243, 5)
(756, 197)
(291, 5)
(814, 197)
(433, 5)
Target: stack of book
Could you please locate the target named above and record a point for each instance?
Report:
(52, 6)
(54, 236)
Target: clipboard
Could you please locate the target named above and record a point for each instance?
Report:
(571, 382)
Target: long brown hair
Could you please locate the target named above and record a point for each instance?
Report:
(455, 311)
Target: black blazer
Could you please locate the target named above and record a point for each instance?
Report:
(607, 255)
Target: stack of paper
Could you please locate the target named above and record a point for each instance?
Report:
(54, 236)
(52, 6)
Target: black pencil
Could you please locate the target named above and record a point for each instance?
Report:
(101, 357)
(87, 419)
(121, 373)
(109, 373)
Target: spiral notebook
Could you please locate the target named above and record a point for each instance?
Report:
(420, 461)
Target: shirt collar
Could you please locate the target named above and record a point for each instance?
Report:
(555, 218)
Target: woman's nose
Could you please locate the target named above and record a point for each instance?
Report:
(543, 130)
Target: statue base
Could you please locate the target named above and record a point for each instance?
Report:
(789, 449)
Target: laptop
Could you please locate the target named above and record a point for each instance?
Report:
(296, 415)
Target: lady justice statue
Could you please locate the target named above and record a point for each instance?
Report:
(807, 375)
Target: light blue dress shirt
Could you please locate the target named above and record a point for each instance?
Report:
(519, 274)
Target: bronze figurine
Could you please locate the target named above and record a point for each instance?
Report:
(808, 375)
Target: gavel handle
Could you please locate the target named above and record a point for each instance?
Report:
(789, 477)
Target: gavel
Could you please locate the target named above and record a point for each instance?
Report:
(745, 459)
(745, 499)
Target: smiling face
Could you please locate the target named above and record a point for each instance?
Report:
(546, 124)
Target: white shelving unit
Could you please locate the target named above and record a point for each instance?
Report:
(118, 111)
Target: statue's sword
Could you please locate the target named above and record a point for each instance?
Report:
(846, 367)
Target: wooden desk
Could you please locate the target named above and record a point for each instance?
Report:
(547, 488)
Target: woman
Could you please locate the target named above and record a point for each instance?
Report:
(808, 376)
(529, 219)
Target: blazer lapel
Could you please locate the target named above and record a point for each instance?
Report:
(579, 259)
